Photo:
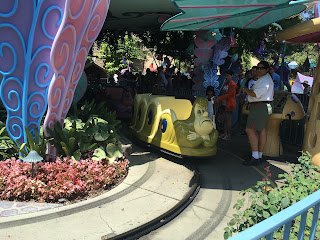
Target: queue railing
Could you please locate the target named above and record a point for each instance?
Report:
(285, 218)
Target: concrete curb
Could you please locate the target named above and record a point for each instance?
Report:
(112, 195)
(167, 216)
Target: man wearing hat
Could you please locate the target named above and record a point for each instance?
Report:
(307, 88)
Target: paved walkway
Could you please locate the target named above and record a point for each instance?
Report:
(10, 208)
(155, 184)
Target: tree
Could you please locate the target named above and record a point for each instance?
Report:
(124, 47)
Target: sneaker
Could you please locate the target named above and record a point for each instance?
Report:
(222, 135)
(242, 133)
(252, 162)
(226, 137)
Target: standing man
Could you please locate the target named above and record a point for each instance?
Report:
(260, 98)
(275, 77)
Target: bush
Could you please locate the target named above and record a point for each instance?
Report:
(267, 199)
(6, 144)
(64, 178)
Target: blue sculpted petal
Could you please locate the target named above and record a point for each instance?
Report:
(27, 30)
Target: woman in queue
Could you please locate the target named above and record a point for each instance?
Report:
(227, 104)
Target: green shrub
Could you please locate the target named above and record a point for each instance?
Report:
(77, 137)
(90, 109)
(267, 199)
(37, 143)
(6, 144)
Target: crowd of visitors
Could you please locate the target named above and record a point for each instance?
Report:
(160, 81)
(164, 80)
(253, 88)
(255, 91)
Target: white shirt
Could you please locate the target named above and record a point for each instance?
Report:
(210, 109)
(263, 88)
(251, 83)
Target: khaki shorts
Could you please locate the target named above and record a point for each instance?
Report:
(259, 115)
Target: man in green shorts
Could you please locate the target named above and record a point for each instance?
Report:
(260, 98)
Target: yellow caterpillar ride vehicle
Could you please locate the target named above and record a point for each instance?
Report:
(174, 124)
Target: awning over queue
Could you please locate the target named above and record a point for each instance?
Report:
(135, 15)
(246, 14)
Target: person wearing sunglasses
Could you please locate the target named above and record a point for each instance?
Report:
(260, 98)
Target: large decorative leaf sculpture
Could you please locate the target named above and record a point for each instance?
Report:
(211, 77)
(199, 15)
(203, 52)
(81, 24)
(81, 88)
(27, 31)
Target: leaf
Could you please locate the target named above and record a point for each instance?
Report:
(65, 149)
(232, 222)
(72, 144)
(77, 154)
(265, 214)
(30, 140)
(227, 235)
(2, 130)
(98, 137)
(99, 154)
(114, 151)
(86, 146)
(273, 210)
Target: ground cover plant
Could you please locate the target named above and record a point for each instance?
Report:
(63, 179)
(88, 160)
(266, 199)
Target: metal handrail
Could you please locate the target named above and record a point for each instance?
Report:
(267, 227)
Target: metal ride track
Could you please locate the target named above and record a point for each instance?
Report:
(206, 227)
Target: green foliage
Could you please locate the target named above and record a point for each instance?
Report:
(127, 46)
(65, 140)
(37, 143)
(77, 137)
(90, 109)
(86, 128)
(112, 152)
(248, 41)
(170, 43)
(307, 50)
(246, 60)
(3, 112)
(6, 144)
(265, 199)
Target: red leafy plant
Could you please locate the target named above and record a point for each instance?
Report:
(64, 178)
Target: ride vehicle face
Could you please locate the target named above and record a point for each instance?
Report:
(175, 125)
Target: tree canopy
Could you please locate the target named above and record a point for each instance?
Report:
(115, 45)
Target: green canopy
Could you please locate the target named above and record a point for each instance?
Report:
(246, 14)
(138, 15)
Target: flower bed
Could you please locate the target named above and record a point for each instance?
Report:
(64, 178)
